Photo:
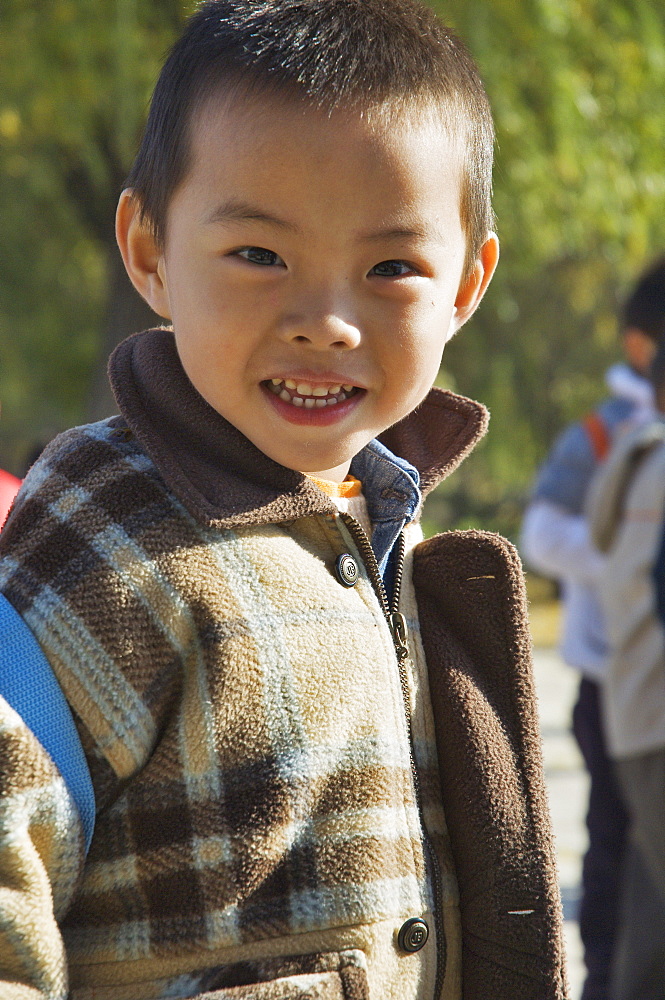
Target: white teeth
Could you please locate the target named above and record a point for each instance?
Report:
(308, 395)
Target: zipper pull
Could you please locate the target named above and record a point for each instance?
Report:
(397, 623)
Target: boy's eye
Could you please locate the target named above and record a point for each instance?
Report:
(259, 255)
(393, 269)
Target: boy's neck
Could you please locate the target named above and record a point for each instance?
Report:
(336, 475)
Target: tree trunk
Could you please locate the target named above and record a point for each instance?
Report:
(126, 313)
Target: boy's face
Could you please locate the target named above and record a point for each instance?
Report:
(312, 270)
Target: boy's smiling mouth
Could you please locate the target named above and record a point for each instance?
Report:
(308, 395)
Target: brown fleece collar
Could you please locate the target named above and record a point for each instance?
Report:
(221, 477)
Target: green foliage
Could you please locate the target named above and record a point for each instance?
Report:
(578, 90)
(75, 80)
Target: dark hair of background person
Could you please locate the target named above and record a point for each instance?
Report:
(383, 56)
(645, 308)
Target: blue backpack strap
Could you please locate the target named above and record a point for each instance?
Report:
(29, 685)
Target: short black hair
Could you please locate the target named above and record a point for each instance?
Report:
(334, 54)
(645, 306)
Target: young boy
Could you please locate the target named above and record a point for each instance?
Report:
(311, 736)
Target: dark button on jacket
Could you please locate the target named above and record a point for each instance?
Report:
(413, 935)
(346, 570)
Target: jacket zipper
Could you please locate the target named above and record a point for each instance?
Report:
(398, 629)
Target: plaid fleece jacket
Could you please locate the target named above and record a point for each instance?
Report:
(258, 829)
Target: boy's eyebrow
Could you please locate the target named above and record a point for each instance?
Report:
(421, 233)
(242, 211)
(235, 210)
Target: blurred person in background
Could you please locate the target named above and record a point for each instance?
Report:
(556, 542)
(626, 512)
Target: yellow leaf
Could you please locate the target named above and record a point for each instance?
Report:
(10, 123)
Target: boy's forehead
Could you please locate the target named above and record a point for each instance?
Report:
(391, 175)
(238, 118)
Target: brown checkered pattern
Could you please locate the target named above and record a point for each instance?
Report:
(244, 725)
(251, 748)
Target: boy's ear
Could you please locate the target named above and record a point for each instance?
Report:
(475, 285)
(143, 259)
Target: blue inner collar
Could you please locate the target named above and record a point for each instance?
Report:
(392, 493)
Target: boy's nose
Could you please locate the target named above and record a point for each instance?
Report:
(321, 329)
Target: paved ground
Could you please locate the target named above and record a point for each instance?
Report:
(567, 785)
